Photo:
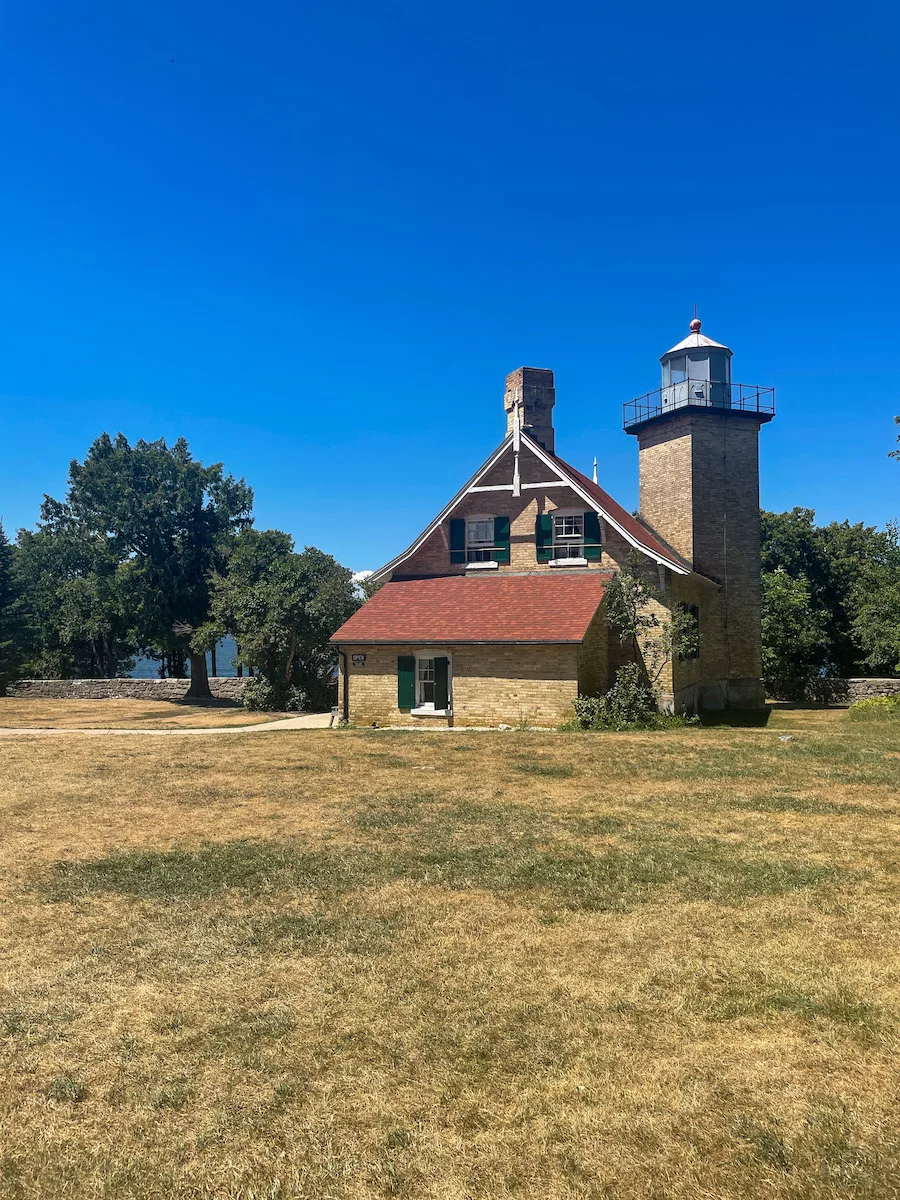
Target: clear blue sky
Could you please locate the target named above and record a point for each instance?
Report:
(316, 242)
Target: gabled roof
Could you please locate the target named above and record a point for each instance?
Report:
(639, 532)
(630, 528)
(454, 610)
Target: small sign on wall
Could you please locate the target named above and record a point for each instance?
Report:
(358, 660)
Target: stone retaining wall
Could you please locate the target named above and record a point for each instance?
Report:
(848, 690)
(121, 689)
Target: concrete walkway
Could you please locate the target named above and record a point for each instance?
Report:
(307, 721)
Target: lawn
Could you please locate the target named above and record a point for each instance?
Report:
(122, 714)
(376, 964)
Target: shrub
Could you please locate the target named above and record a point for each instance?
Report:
(261, 696)
(880, 708)
(629, 704)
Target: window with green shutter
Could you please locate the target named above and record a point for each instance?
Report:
(441, 683)
(458, 540)
(592, 548)
(543, 536)
(406, 681)
(501, 539)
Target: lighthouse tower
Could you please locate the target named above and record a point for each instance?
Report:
(698, 440)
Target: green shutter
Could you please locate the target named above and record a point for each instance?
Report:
(442, 683)
(458, 540)
(501, 539)
(543, 536)
(406, 681)
(591, 537)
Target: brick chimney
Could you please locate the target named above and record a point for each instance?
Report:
(533, 387)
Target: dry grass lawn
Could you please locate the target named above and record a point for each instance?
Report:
(370, 964)
(122, 714)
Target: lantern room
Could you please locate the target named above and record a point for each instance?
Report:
(697, 372)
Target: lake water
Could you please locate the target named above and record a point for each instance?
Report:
(226, 650)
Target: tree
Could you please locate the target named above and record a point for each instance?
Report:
(281, 607)
(655, 633)
(10, 632)
(171, 521)
(846, 569)
(794, 637)
(895, 453)
(74, 606)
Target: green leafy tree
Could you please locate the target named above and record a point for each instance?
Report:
(655, 632)
(847, 570)
(895, 453)
(74, 606)
(281, 607)
(10, 626)
(794, 637)
(171, 521)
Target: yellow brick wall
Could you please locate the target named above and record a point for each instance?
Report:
(593, 657)
(492, 685)
(700, 490)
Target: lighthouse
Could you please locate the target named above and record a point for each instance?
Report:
(698, 446)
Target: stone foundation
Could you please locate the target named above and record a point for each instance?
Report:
(122, 689)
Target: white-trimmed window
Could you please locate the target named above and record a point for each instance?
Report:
(479, 539)
(568, 535)
(425, 683)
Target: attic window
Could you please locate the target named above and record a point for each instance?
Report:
(568, 525)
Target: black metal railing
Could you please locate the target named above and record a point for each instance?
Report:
(700, 393)
(482, 553)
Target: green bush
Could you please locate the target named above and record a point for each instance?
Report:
(261, 696)
(882, 708)
(629, 704)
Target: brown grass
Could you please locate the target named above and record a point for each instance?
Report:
(372, 964)
(122, 714)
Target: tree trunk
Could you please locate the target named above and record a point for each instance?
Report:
(199, 688)
(212, 658)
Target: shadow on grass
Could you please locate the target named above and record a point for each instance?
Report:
(737, 718)
(545, 873)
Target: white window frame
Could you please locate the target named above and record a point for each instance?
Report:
(488, 564)
(428, 710)
(562, 538)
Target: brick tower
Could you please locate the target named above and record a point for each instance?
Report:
(698, 438)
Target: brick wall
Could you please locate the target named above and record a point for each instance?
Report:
(492, 685)
(699, 488)
(433, 556)
(121, 689)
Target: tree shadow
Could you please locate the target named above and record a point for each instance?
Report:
(738, 718)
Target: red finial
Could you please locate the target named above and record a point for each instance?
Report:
(695, 325)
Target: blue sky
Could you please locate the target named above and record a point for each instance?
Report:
(316, 242)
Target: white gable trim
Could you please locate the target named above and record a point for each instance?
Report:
(597, 507)
(445, 512)
(561, 480)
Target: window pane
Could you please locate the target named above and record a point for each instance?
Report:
(481, 533)
(676, 369)
(569, 526)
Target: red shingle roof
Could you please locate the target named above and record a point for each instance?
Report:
(455, 609)
(636, 528)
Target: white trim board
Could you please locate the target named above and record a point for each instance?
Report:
(561, 480)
